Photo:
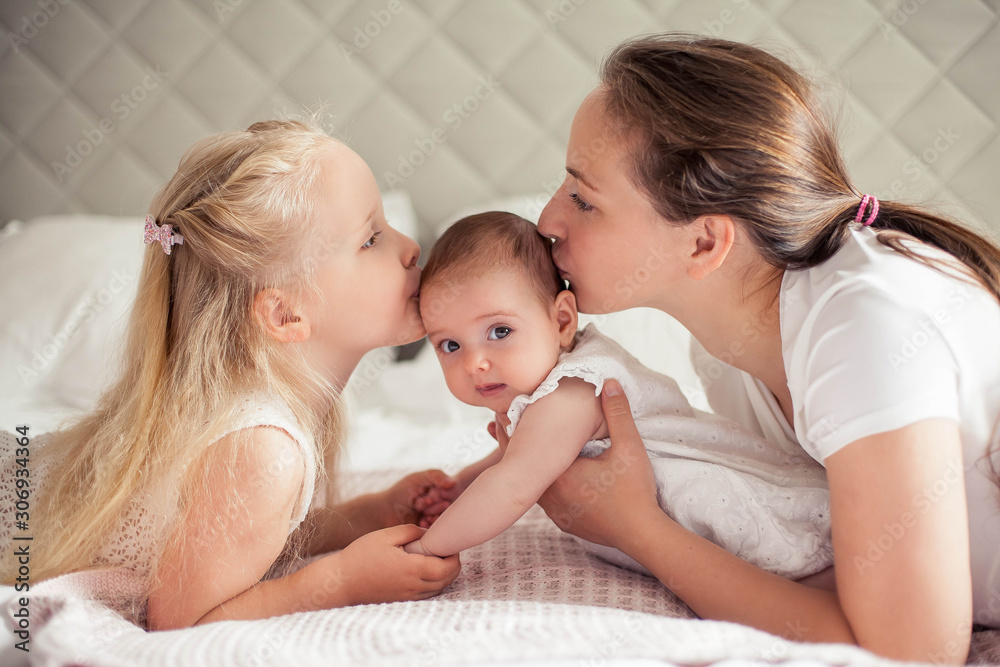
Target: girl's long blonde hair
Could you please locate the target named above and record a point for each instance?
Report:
(193, 347)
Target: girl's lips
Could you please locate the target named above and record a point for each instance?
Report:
(491, 389)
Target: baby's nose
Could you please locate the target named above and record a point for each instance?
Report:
(475, 363)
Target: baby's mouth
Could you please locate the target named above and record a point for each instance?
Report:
(491, 389)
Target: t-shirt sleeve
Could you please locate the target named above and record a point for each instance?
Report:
(872, 364)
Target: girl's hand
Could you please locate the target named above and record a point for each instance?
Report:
(601, 498)
(420, 497)
(374, 568)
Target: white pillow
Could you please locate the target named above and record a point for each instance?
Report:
(67, 284)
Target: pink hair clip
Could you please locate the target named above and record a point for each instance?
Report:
(861, 210)
(164, 235)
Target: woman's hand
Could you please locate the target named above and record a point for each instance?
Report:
(499, 434)
(374, 568)
(419, 498)
(598, 498)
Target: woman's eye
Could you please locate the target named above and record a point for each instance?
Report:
(499, 332)
(580, 204)
(372, 241)
(448, 346)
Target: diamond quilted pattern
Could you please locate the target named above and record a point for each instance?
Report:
(171, 33)
(551, 93)
(106, 184)
(903, 73)
(29, 92)
(326, 77)
(494, 33)
(967, 73)
(112, 81)
(944, 30)
(729, 19)
(65, 126)
(387, 72)
(118, 13)
(944, 129)
(5, 145)
(275, 34)
(976, 184)
(435, 78)
(829, 29)
(594, 27)
(37, 189)
(166, 132)
(224, 85)
(71, 39)
(383, 33)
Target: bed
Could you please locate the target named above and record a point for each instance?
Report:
(531, 595)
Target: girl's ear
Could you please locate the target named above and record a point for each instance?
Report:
(272, 308)
(712, 237)
(566, 316)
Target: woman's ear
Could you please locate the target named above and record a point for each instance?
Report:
(273, 310)
(566, 316)
(713, 237)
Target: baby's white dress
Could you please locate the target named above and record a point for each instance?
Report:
(146, 524)
(769, 506)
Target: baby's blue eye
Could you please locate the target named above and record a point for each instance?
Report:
(501, 332)
(372, 241)
(448, 346)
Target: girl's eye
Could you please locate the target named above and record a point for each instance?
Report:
(501, 332)
(580, 204)
(372, 241)
(447, 346)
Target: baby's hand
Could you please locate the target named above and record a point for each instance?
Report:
(421, 497)
(416, 547)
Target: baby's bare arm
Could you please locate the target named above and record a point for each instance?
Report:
(549, 437)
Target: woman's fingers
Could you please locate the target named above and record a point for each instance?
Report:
(626, 443)
(498, 429)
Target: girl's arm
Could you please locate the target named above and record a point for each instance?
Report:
(333, 528)
(236, 528)
(900, 537)
(550, 435)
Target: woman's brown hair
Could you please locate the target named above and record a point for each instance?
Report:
(726, 128)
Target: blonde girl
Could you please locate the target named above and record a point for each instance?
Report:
(269, 271)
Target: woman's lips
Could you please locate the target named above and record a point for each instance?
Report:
(491, 389)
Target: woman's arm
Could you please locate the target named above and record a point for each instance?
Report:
(910, 600)
(237, 526)
(549, 437)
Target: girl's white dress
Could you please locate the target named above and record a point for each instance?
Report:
(769, 506)
(140, 535)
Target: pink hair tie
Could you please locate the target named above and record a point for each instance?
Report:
(163, 235)
(864, 205)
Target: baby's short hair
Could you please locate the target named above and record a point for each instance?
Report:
(485, 243)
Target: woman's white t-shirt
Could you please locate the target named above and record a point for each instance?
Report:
(873, 341)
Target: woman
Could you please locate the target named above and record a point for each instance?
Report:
(703, 181)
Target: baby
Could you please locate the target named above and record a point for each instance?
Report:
(505, 331)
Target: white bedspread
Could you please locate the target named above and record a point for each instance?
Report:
(531, 594)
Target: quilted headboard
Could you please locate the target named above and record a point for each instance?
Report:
(461, 102)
